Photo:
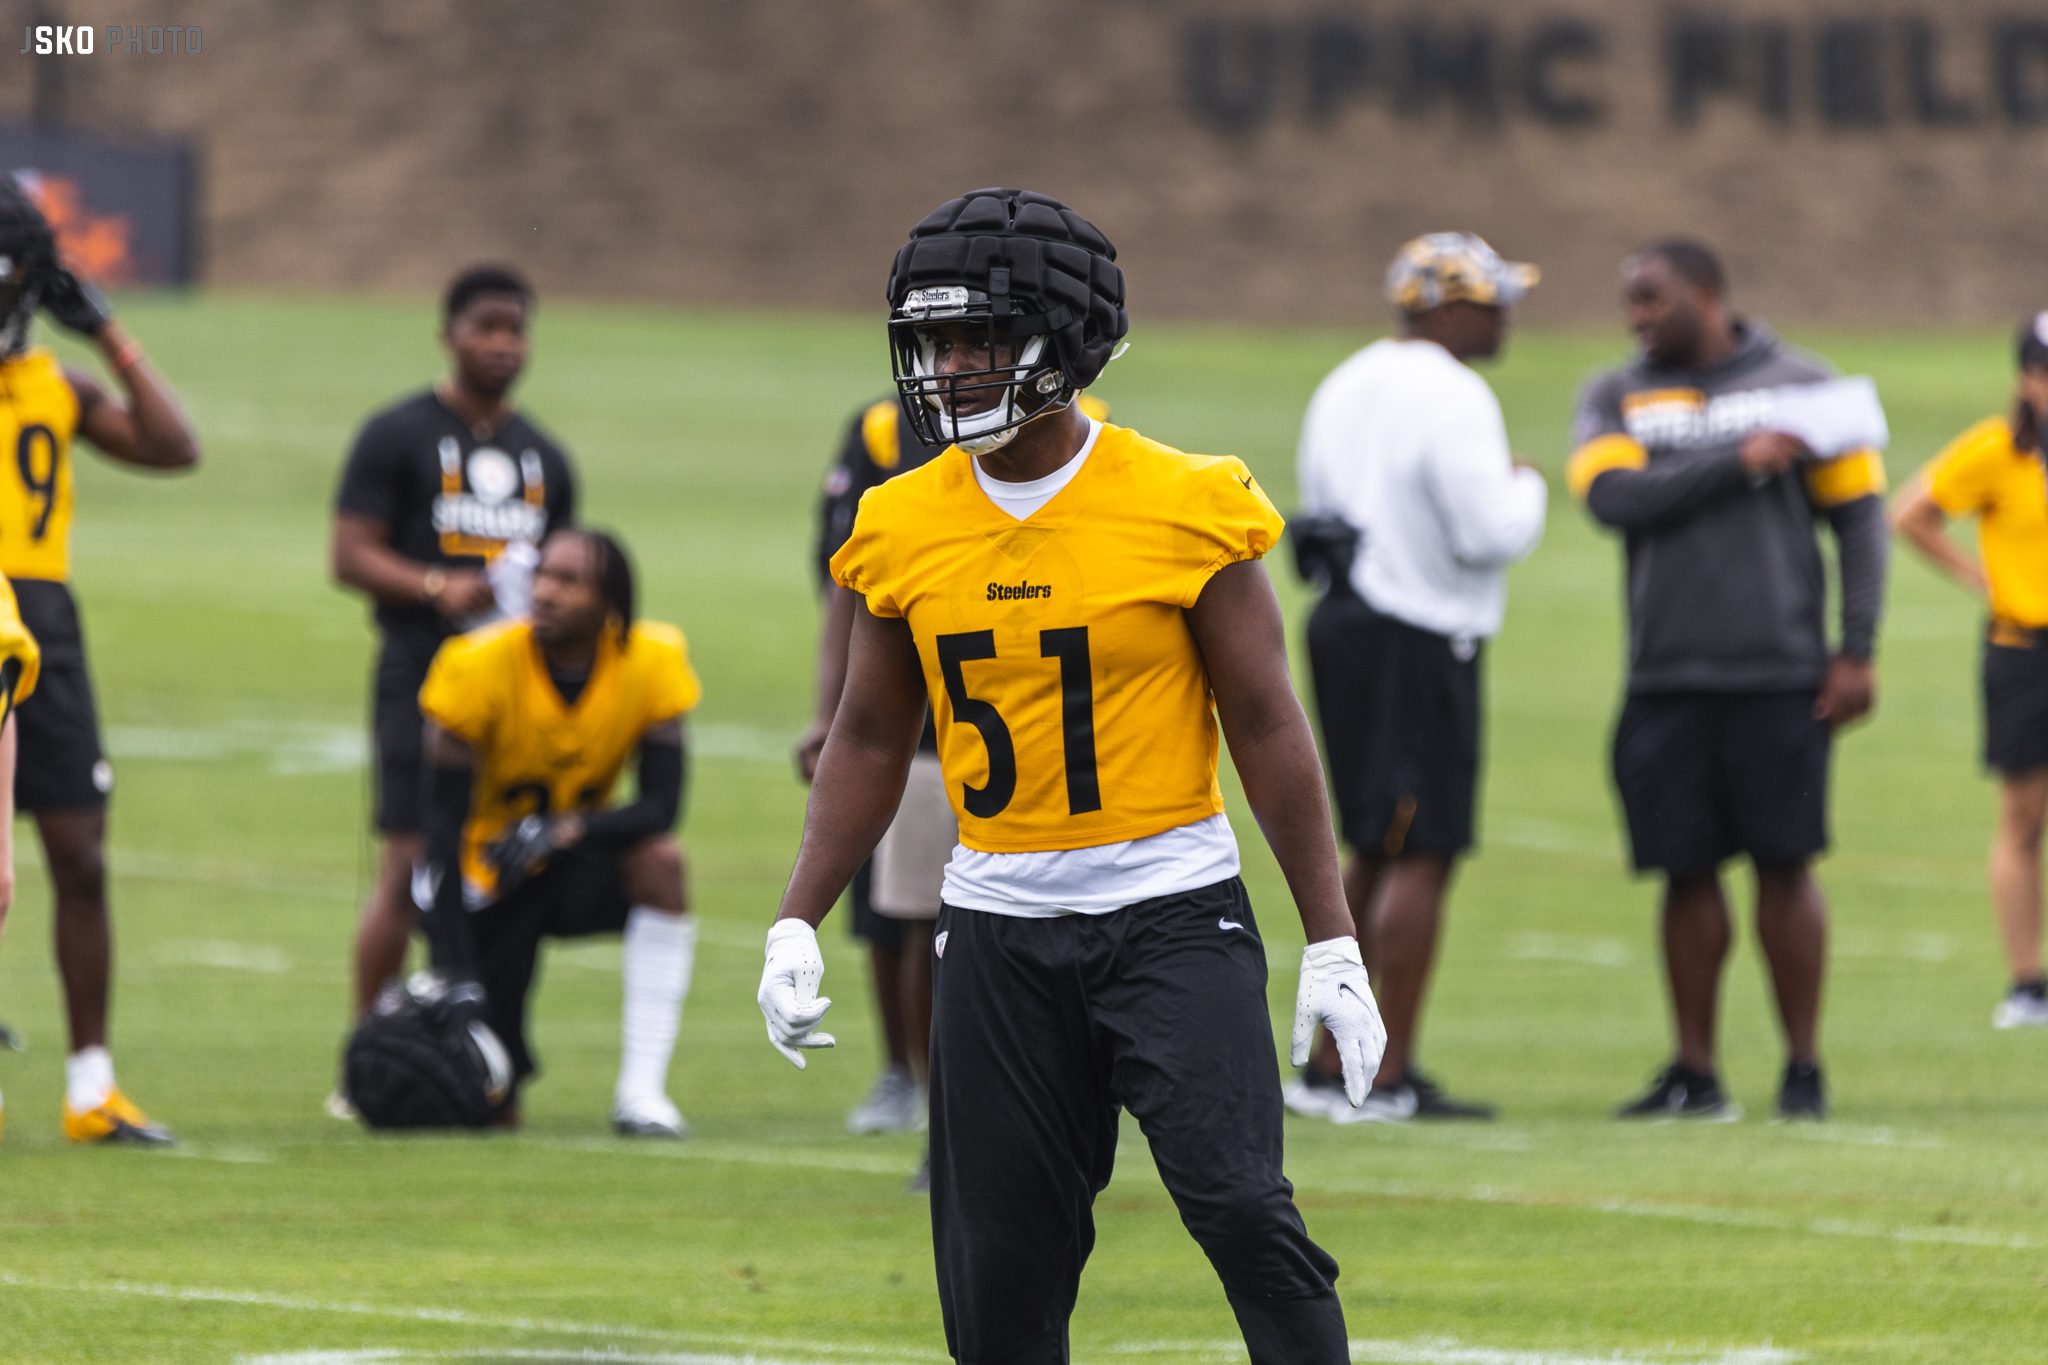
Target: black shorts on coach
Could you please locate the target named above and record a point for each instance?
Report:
(579, 893)
(1709, 776)
(2015, 706)
(60, 764)
(1399, 710)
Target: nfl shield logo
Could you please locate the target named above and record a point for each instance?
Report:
(939, 944)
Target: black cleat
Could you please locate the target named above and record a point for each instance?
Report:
(1679, 1092)
(1432, 1103)
(1802, 1095)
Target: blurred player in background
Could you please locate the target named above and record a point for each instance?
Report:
(1068, 597)
(1993, 472)
(531, 724)
(437, 486)
(62, 777)
(20, 665)
(1723, 744)
(876, 448)
(1405, 445)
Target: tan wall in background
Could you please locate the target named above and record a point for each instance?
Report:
(774, 151)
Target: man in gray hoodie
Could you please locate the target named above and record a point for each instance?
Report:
(1722, 746)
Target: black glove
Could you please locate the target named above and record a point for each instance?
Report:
(522, 850)
(1324, 548)
(74, 304)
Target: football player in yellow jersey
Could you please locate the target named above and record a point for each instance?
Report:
(895, 897)
(20, 663)
(1077, 605)
(63, 777)
(1994, 472)
(529, 725)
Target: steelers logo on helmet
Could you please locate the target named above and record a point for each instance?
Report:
(1004, 305)
(28, 249)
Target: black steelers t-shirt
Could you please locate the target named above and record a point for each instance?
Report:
(450, 498)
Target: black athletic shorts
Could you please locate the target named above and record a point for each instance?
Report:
(580, 893)
(876, 930)
(2015, 707)
(1707, 776)
(60, 764)
(1399, 711)
(398, 730)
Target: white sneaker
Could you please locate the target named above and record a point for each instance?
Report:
(648, 1116)
(1383, 1104)
(895, 1105)
(2021, 1009)
(1314, 1101)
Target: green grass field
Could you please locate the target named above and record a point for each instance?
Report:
(232, 677)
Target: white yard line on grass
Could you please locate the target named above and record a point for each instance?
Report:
(227, 955)
(293, 748)
(699, 1150)
(1687, 1213)
(1423, 1351)
(399, 1356)
(812, 1352)
(1450, 1351)
(1572, 949)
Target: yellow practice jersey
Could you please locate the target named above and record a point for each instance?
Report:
(534, 754)
(38, 415)
(1982, 474)
(1071, 703)
(17, 644)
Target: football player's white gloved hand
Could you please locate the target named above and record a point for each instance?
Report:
(1335, 994)
(789, 996)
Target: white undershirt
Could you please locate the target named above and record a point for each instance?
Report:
(1083, 881)
(1020, 500)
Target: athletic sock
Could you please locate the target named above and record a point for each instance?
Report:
(88, 1078)
(2035, 986)
(659, 949)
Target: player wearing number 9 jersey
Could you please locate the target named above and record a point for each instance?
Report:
(1080, 605)
(63, 778)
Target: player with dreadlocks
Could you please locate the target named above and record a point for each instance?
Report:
(529, 725)
(63, 778)
(1077, 605)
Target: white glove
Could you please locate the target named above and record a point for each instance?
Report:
(1335, 994)
(789, 996)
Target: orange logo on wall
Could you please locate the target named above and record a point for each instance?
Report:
(94, 245)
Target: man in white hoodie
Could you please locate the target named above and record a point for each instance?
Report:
(1404, 445)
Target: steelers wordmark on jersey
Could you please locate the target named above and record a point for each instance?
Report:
(1072, 705)
(536, 754)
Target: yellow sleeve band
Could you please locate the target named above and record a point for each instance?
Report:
(1597, 456)
(1859, 474)
(878, 431)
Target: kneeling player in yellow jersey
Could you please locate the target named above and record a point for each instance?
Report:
(1079, 604)
(63, 779)
(20, 663)
(529, 725)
